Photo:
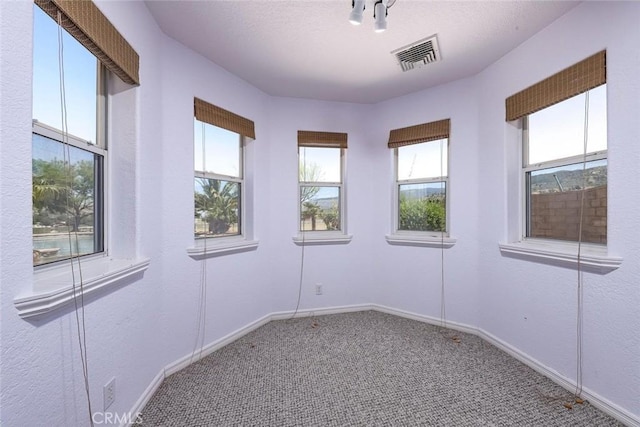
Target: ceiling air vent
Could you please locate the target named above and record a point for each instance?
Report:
(418, 54)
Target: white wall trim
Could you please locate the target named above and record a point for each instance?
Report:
(322, 238)
(193, 357)
(426, 319)
(594, 260)
(190, 358)
(145, 397)
(597, 401)
(310, 312)
(224, 247)
(55, 289)
(419, 240)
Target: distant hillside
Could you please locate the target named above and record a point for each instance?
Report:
(421, 193)
(569, 180)
(326, 202)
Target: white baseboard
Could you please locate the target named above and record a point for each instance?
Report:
(599, 402)
(145, 397)
(310, 312)
(596, 400)
(190, 358)
(193, 357)
(426, 319)
(606, 406)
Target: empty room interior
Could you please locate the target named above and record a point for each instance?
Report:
(201, 171)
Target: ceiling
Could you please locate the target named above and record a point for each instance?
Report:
(308, 48)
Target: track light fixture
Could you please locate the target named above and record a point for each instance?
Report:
(356, 13)
(380, 11)
(380, 15)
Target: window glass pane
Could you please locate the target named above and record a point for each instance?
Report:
(221, 152)
(64, 198)
(319, 208)
(422, 207)
(80, 80)
(555, 200)
(425, 160)
(319, 164)
(558, 131)
(217, 208)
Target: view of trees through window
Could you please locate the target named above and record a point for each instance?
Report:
(217, 204)
(64, 200)
(422, 186)
(218, 181)
(422, 207)
(67, 167)
(320, 179)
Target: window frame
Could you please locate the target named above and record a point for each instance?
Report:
(590, 257)
(221, 177)
(527, 168)
(57, 285)
(339, 185)
(313, 237)
(100, 147)
(428, 234)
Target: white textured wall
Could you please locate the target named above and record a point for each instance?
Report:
(237, 291)
(344, 270)
(533, 306)
(41, 370)
(409, 278)
(136, 330)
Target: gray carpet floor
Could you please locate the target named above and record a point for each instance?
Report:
(362, 369)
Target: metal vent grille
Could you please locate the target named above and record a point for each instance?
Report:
(418, 54)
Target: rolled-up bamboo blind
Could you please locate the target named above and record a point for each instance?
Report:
(322, 139)
(222, 118)
(419, 133)
(571, 81)
(86, 23)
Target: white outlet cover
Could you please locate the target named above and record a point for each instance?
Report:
(109, 393)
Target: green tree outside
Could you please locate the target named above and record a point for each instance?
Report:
(426, 214)
(61, 192)
(217, 204)
(331, 218)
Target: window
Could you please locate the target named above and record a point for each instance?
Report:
(566, 182)
(320, 179)
(219, 185)
(70, 162)
(421, 178)
(68, 155)
(557, 179)
(421, 185)
(565, 170)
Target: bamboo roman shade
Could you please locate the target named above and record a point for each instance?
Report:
(322, 139)
(84, 21)
(419, 133)
(222, 118)
(578, 78)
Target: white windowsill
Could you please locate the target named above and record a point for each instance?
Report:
(53, 288)
(411, 239)
(593, 258)
(224, 246)
(322, 238)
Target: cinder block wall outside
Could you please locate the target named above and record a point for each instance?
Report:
(557, 215)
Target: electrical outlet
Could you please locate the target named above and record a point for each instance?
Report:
(109, 392)
(318, 288)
